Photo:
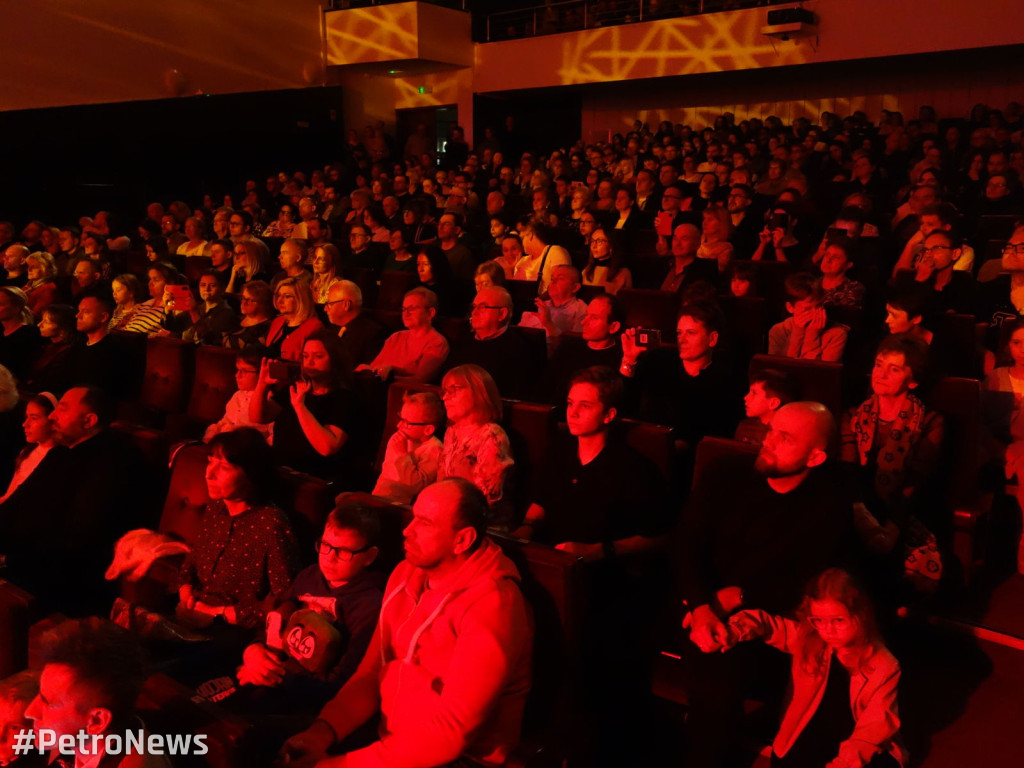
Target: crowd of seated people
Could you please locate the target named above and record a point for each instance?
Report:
(612, 286)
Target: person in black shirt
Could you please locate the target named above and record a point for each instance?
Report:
(314, 417)
(688, 387)
(599, 345)
(752, 536)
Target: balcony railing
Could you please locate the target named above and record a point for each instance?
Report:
(344, 5)
(576, 15)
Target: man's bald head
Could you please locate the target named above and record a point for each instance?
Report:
(798, 440)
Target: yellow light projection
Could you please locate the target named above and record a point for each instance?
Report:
(446, 88)
(713, 42)
(375, 34)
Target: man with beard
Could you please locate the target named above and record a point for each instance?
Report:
(754, 534)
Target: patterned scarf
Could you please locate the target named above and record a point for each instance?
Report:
(895, 447)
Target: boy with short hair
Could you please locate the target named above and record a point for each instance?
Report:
(413, 452)
(236, 412)
(770, 389)
(807, 334)
(318, 635)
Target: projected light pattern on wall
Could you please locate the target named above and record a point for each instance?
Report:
(714, 43)
(380, 33)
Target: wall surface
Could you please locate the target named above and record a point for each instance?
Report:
(951, 83)
(63, 52)
(721, 42)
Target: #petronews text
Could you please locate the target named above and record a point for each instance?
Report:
(135, 742)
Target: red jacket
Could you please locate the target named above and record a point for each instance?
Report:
(448, 667)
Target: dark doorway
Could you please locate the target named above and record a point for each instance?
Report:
(542, 120)
(438, 122)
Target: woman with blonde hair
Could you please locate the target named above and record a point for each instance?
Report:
(714, 241)
(41, 288)
(248, 265)
(296, 320)
(476, 448)
(326, 265)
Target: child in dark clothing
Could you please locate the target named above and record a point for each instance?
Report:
(318, 635)
(769, 390)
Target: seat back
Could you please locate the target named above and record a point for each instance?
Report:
(393, 287)
(186, 495)
(959, 402)
(959, 332)
(308, 501)
(652, 440)
(168, 377)
(747, 318)
(819, 381)
(213, 384)
(537, 341)
(651, 309)
(529, 427)
(554, 584)
(131, 349)
(195, 266)
(711, 450)
(524, 296)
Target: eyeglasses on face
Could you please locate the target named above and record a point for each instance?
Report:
(480, 307)
(341, 553)
(414, 423)
(452, 389)
(935, 248)
(1017, 248)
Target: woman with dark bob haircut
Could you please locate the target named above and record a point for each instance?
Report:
(244, 559)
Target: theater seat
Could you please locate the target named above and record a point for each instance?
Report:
(959, 402)
(524, 297)
(554, 584)
(393, 287)
(212, 386)
(819, 381)
(17, 613)
(307, 500)
(166, 382)
(195, 266)
(651, 309)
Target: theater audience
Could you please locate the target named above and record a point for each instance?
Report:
(419, 351)
(807, 334)
(447, 710)
(236, 412)
(19, 340)
(257, 304)
(769, 390)
(296, 319)
(52, 368)
(495, 346)
(40, 441)
(684, 268)
(560, 312)
(541, 255)
(753, 534)
(361, 335)
(476, 448)
(714, 241)
(838, 290)
(314, 415)
(845, 681)
(413, 452)
(59, 536)
(149, 316)
(604, 265)
(41, 288)
(895, 439)
(244, 559)
(666, 382)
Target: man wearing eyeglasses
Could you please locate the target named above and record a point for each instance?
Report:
(502, 351)
(449, 665)
(346, 592)
(951, 290)
(361, 335)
